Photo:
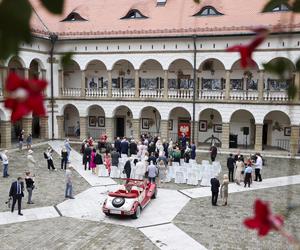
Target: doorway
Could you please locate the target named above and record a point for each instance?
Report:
(120, 126)
(36, 127)
(265, 134)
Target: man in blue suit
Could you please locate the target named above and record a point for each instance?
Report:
(124, 146)
(16, 192)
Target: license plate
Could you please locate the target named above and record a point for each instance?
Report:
(115, 212)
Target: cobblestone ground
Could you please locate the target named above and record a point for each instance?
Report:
(68, 233)
(221, 227)
(50, 185)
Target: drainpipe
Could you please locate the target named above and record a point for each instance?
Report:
(194, 88)
(53, 38)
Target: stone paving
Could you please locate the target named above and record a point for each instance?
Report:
(50, 185)
(221, 227)
(68, 233)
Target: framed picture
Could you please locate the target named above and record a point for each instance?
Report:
(202, 125)
(101, 121)
(217, 128)
(145, 123)
(287, 131)
(170, 124)
(92, 121)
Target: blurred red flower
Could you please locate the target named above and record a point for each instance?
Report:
(24, 96)
(247, 50)
(263, 220)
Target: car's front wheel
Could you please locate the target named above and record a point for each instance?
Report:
(137, 213)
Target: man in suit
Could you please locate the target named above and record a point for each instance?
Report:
(118, 145)
(124, 146)
(16, 192)
(230, 166)
(215, 184)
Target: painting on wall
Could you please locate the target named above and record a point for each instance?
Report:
(101, 121)
(170, 124)
(217, 128)
(202, 125)
(287, 131)
(92, 121)
(145, 123)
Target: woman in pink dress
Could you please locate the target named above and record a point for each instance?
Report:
(107, 161)
(92, 162)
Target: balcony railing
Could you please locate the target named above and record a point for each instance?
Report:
(244, 95)
(212, 94)
(123, 92)
(151, 93)
(96, 92)
(275, 95)
(180, 93)
(73, 92)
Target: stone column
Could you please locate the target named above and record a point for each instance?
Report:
(136, 129)
(260, 86)
(137, 84)
(294, 140)
(82, 84)
(109, 125)
(258, 137)
(109, 86)
(44, 132)
(60, 127)
(225, 135)
(27, 126)
(44, 74)
(196, 132)
(164, 129)
(227, 84)
(166, 85)
(297, 85)
(83, 127)
(26, 73)
(5, 131)
(61, 81)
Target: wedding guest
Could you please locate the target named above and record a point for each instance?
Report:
(29, 181)
(162, 172)
(21, 139)
(224, 189)
(86, 156)
(133, 148)
(64, 158)
(68, 148)
(239, 171)
(29, 141)
(31, 162)
(140, 170)
(16, 192)
(215, 184)
(124, 146)
(152, 172)
(92, 161)
(213, 152)
(118, 145)
(69, 183)
(4, 158)
(258, 167)
(230, 166)
(193, 151)
(107, 161)
(48, 156)
(127, 168)
(248, 175)
(98, 162)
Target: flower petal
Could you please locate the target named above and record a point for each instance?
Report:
(263, 230)
(13, 82)
(252, 223)
(261, 210)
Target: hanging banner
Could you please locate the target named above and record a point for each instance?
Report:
(184, 128)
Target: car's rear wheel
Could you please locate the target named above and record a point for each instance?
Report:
(107, 213)
(137, 213)
(154, 194)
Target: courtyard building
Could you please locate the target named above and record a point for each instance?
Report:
(158, 67)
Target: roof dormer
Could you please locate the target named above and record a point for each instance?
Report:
(208, 11)
(134, 14)
(73, 17)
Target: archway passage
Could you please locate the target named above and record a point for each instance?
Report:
(71, 121)
(180, 75)
(36, 127)
(179, 124)
(242, 79)
(210, 127)
(242, 130)
(150, 120)
(16, 66)
(96, 75)
(71, 76)
(213, 75)
(151, 75)
(96, 122)
(123, 75)
(35, 69)
(123, 122)
(276, 131)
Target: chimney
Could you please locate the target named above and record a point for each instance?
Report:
(161, 2)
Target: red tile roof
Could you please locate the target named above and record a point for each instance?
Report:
(174, 19)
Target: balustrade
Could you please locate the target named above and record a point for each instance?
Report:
(73, 92)
(180, 93)
(96, 92)
(275, 95)
(212, 94)
(151, 93)
(244, 95)
(123, 92)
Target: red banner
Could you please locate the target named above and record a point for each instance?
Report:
(184, 128)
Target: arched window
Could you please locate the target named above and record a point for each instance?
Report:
(134, 14)
(208, 11)
(73, 17)
(281, 7)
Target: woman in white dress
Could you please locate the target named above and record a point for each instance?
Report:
(238, 172)
(140, 170)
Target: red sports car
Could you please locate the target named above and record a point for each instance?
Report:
(130, 199)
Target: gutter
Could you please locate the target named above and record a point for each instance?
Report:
(53, 38)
